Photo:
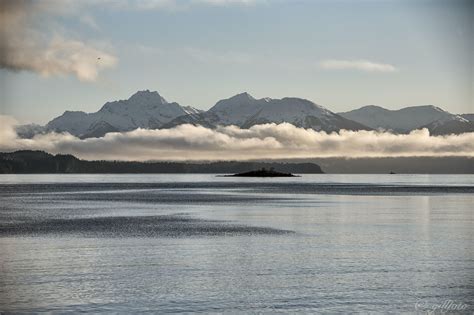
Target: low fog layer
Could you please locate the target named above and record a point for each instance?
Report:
(188, 142)
(270, 141)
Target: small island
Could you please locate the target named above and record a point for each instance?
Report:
(263, 173)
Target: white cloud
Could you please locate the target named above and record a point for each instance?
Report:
(60, 56)
(362, 65)
(26, 43)
(188, 142)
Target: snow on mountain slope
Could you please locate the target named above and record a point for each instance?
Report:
(450, 125)
(237, 109)
(469, 117)
(98, 129)
(402, 120)
(191, 110)
(74, 122)
(244, 111)
(144, 109)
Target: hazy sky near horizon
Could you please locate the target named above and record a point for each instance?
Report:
(76, 55)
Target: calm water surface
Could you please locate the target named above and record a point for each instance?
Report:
(183, 243)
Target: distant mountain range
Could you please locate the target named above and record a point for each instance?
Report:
(244, 111)
(404, 120)
(150, 110)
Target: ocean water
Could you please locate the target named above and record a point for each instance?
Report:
(202, 243)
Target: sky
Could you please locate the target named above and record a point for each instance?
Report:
(76, 55)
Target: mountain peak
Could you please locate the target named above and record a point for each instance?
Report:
(144, 109)
(73, 113)
(147, 95)
(243, 96)
(373, 107)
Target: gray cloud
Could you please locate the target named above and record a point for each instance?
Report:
(188, 142)
(26, 43)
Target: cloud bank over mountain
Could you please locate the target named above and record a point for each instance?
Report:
(269, 141)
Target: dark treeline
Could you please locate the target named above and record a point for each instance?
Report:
(38, 162)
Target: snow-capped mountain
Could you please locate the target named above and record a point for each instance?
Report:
(150, 110)
(144, 109)
(451, 125)
(245, 111)
(402, 120)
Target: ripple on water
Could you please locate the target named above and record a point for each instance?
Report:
(145, 226)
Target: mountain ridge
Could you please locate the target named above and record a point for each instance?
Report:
(149, 110)
(144, 109)
(245, 111)
(406, 119)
